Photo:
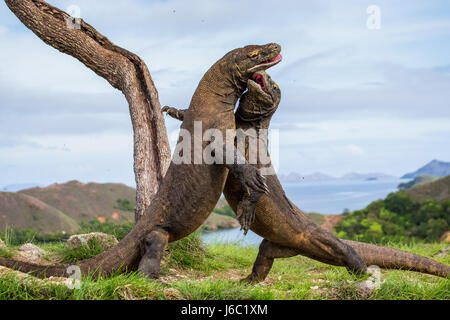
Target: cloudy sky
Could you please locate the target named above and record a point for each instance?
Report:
(353, 98)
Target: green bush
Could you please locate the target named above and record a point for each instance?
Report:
(397, 218)
(225, 211)
(117, 230)
(5, 253)
(124, 204)
(15, 236)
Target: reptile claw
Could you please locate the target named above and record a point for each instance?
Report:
(246, 210)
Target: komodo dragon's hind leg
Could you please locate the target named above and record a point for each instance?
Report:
(152, 251)
(320, 246)
(324, 246)
(268, 251)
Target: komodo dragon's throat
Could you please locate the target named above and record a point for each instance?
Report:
(286, 230)
(189, 191)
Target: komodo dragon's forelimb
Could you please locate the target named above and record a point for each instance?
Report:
(246, 207)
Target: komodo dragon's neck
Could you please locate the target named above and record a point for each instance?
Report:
(217, 90)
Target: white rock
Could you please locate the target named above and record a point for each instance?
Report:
(442, 253)
(78, 240)
(30, 252)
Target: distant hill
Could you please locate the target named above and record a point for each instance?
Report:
(435, 168)
(21, 210)
(295, 176)
(60, 207)
(416, 181)
(365, 176)
(87, 201)
(291, 177)
(317, 176)
(438, 190)
(18, 187)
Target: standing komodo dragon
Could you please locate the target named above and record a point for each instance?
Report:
(189, 191)
(286, 230)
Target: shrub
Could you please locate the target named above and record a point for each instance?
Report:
(117, 230)
(225, 211)
(397, 218)
(17, 236)
(124, 204)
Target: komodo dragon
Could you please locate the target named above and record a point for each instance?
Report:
(189, 191)
(286, 230)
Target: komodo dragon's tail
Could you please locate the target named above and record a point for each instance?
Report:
(123, 255)
(389, 258)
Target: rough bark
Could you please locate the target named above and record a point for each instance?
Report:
(125, 71)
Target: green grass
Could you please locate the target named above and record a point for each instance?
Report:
(6, 253)
(192, 270)
(91, 249)
(188, 252)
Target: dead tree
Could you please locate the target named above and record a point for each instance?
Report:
(125, 71)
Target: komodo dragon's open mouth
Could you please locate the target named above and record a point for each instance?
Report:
(266, 64)
(258, 82)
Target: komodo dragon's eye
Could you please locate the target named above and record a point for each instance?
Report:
(253, 54)
(275, 85)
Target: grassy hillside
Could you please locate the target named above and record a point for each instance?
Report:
(17, 209)
(438, 190)
(416, 181)
(399, 217)
(60, 208)
(84, 202)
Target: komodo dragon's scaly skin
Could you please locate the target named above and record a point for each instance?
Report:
(286, 230)
(190, 191)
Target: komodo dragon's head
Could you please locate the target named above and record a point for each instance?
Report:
(260, 101)
(242, 63)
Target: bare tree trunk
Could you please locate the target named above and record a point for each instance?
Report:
(125, 71)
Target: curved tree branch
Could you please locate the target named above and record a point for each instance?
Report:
(125, 71)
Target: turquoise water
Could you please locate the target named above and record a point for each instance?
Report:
(232, 236)
(329, 197)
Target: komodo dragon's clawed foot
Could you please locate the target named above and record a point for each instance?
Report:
(254, 186)
(152, 250)
(267, 253)
(174, 112)
(356, 266)
(251, 279)
(251, 179)
(246, 210)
